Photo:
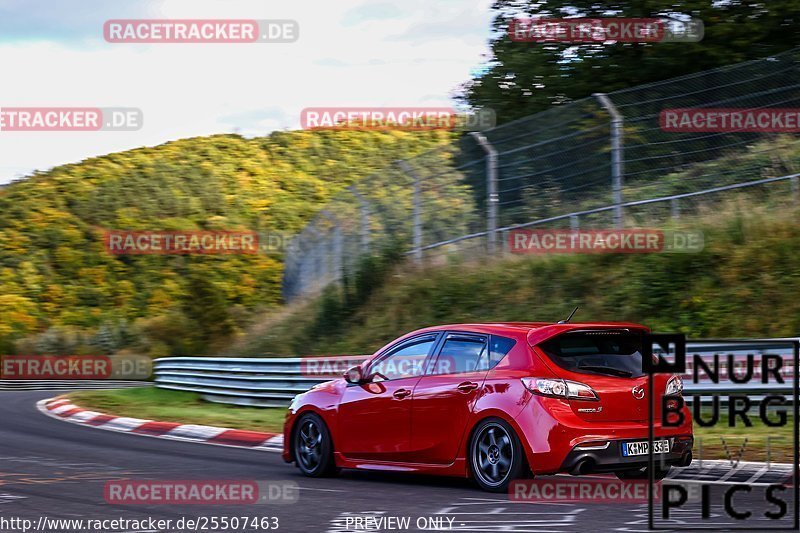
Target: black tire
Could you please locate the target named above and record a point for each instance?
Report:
(312, 446)
(496, 457)
(643, 473)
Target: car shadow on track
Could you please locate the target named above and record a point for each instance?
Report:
(402, 478)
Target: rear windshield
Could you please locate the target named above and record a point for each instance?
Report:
(611, 353)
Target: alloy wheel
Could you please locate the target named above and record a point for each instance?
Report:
(493, 454)
(309, 445)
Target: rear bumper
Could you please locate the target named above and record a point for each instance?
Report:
(552, 434)
(591, 459)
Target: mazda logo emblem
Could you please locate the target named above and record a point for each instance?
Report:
(638, 392)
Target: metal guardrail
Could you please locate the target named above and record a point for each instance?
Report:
(258, 382)
(67, 384)
(273, 382)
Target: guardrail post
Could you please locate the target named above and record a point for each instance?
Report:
(795, 189)
(675, 208)
(417, 211)
(574, 223)
(616, 155)
(700, 452)
(492, 197)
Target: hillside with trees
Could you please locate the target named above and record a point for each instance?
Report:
(61, 292)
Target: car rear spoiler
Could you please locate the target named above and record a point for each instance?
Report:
(539, 335)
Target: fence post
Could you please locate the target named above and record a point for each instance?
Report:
(319, 260)
(492, 198)
(335, 247)
(616, 155)
(338, 270)
(306, 262)
(574, 223)
(314, 266)
(795, 189)
(364, 211)
(288, 274)
(417, 208)
(675, 208)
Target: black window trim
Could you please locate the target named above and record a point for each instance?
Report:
(435, 336)
(454, 334)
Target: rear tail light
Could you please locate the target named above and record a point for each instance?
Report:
(674, 386)
(560, 388)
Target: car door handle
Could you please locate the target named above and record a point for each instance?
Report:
(467, 386)
(401, 393)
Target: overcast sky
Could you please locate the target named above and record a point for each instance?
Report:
(350, 53)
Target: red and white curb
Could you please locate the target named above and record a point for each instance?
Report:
(64, 409)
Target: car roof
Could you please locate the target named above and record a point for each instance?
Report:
(534, 332)
(489, 327)
(529, 327)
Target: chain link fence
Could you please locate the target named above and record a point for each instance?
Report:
(601, 162)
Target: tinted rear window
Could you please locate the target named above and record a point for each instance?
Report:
(609, 353)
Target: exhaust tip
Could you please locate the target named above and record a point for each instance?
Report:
(582, 467)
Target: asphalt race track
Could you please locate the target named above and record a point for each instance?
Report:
(57, 470)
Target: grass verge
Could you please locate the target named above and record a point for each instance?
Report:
(760, 442)
(175, 406)
(742, 284)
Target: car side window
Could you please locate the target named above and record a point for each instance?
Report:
(405, 362)
(460, 354)
(498, 349)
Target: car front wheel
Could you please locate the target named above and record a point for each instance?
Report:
(496, 455)
(313, 447)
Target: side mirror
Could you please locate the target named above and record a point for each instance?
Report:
(354, 375)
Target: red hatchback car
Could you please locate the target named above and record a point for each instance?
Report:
(495, 402)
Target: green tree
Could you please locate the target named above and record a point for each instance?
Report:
(207, 306)
(523, 78)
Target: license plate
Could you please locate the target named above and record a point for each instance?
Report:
(640, 447)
